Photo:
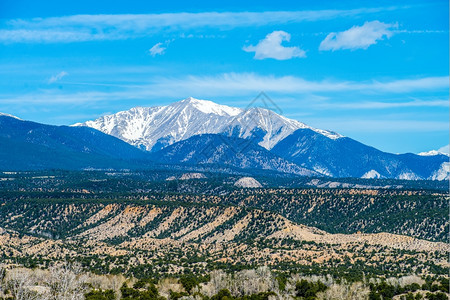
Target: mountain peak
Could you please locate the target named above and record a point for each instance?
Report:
(209, 107)
(432, 153)
(190, 99)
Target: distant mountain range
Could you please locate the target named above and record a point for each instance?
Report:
(28, 145)
(214, 149)
(195, 132)
(345, 157)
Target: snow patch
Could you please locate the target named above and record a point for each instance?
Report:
(432, 153)
(441, 151)
(408, 176)
(443, 173)
(329, 134)
(322, 170)
(8, 115)
(371, 175)
(209, 107)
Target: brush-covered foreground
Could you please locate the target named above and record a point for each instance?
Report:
(205, 236)
(68, 281)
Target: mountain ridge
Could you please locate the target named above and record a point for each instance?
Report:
(153, 128)
(338, 158)
(210, 149)
(323, 151)
(255, 138)
(27, 145)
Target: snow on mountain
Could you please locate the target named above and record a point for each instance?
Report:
(8, 115)
(153, 128)
(441, 151)
(209, 107)
(371, 174)
(298, 148)
(443, 173)
(408, 176)
(429, 153)
(268, 127)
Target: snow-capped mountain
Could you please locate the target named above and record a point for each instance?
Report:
(441, 151)
(175, 135)
(153, 128)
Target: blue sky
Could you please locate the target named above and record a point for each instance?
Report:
(377, 71)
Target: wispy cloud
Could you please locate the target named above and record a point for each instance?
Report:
(57, 77)
(419, 31)
(240, 84)
(406, 85)
(78, 28)
(157, 49)
(358, 37)
(385, 105)
(270, 47)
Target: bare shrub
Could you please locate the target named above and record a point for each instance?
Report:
(19, 283)
(218, 280)
(106, 282)
(343, 291)
(242, 283)
(166, 285)
(407, 280)
(66, 282)
(250, 282)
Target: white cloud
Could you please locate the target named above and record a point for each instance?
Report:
(78, 28)
(57, 77)
(238, 85)
(445, 149)
(358, 37)
(270, 47)
(157, 49)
